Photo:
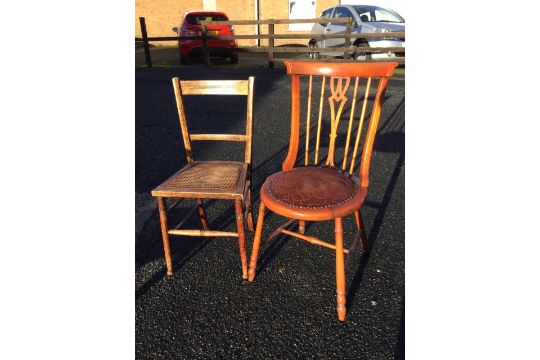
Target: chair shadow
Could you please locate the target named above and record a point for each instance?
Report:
(188, 246)
(271, 251)
(177, 265)
(263, 170)
(372, 235)
(387, 142)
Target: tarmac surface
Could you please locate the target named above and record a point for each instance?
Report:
(206, 310)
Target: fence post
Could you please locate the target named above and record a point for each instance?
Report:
(179, 53)
(271, 44)
(205, 45)
(179, 49)
(145, 43)
(347, 39)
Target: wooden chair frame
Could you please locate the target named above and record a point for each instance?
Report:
(241, 194)
(340, 78)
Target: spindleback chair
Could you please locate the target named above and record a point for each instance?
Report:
(210, 179)
(325, 190)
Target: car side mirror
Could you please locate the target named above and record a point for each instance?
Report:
(175, 29)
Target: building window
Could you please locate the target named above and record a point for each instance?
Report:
(302, 9)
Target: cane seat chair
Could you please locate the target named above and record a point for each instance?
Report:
(201, 180)
(325, 189)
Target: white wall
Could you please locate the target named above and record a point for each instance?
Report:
(396, 5)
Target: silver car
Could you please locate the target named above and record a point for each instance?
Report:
(366, 19)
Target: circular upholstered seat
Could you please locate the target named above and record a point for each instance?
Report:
(312, 193)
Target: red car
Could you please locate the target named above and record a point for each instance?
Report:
(191, 26)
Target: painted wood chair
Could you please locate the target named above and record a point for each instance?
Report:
(200, 180)
(327, 190)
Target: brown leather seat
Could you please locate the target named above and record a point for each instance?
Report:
(313, 192)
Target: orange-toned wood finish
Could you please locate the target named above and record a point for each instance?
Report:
(256, 242)
(340, 270)
(165, 234)
(325, 190)
(210, 179)
(301, 227)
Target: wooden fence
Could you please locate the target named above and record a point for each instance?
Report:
(347, 49)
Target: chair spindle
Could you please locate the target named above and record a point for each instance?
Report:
(351, 118)
(360, 124)
(308, 117)
(319, 121)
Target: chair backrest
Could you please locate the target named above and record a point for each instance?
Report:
(369, 82)
(215, 87)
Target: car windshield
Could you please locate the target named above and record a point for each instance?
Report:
(196, 19)
(374, 14)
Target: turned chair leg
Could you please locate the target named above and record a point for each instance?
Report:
(340, 271)
(249, 206)
(256, 243)
(241, 236)
(360, 225)
(301, 227)
(165, 234)
(202, 214)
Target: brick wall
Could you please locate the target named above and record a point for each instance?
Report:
(240, 10)
(279, 9)
(162, 15)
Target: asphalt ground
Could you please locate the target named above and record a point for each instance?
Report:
(206, 310)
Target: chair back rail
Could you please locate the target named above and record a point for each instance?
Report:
(348, 84)
(215, 87)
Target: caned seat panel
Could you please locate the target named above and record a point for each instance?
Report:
(209, 179)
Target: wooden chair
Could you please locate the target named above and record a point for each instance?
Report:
(210, 179)
(325, 190)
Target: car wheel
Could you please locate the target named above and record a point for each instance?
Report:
(233, 59)
(359, 54)
(313, 55)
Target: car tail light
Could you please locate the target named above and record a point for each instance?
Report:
(184, 31)
(231, 29)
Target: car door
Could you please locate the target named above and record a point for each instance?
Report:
(321, 28)
(338, 28)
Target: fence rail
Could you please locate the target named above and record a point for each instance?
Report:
(271, 49)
